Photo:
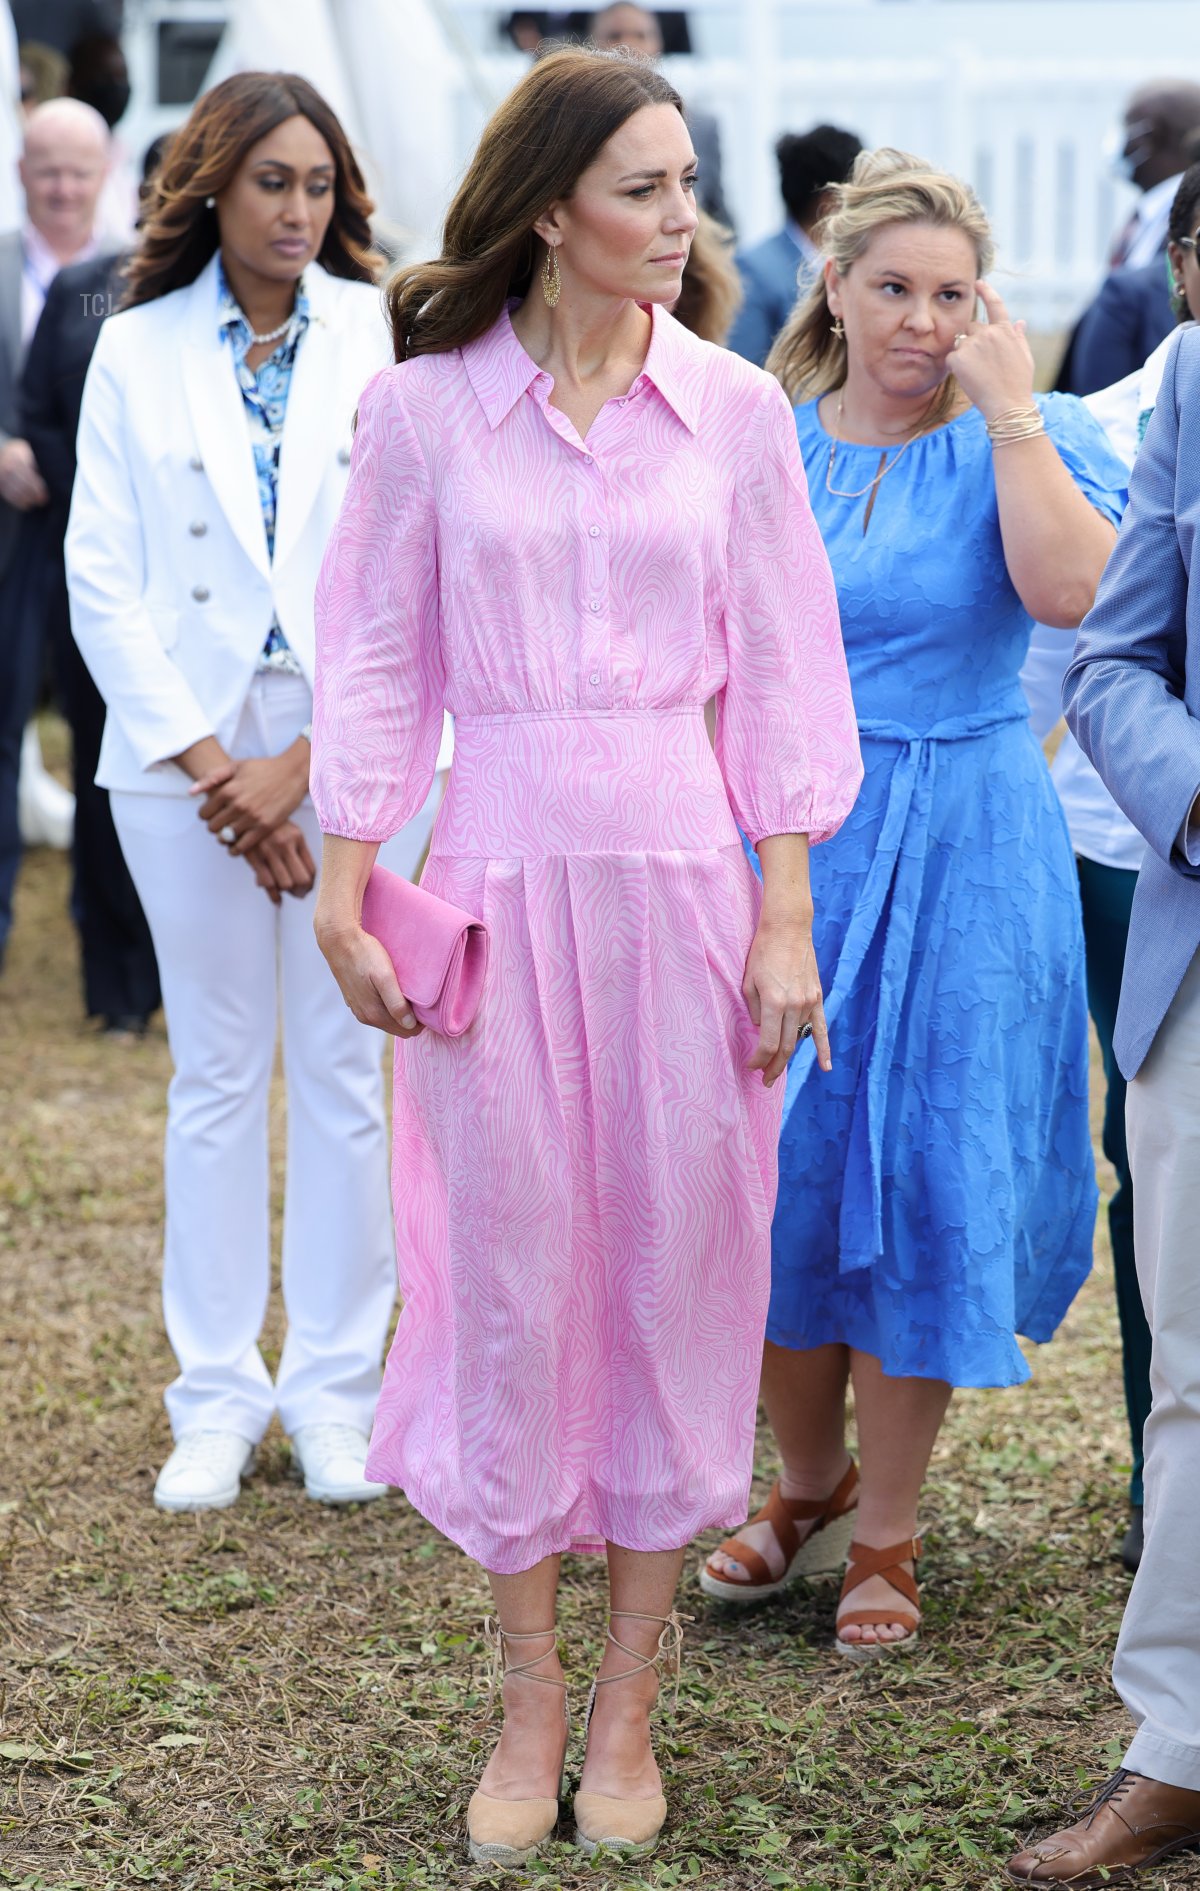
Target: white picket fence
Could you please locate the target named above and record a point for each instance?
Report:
(1028, 135)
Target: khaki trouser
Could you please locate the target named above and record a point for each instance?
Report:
(1157, 1665)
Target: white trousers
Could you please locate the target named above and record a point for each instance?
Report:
(232, 966)
(1157, 1665)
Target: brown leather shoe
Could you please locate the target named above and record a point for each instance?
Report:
(1131, 1823)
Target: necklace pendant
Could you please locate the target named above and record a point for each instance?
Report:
(885, 465)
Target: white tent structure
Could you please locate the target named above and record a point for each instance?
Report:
(11, 210)
(396, 74)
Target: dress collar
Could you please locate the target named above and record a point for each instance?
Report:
(500, 370)
(803, 241)
(231, 316)
(1158, 198)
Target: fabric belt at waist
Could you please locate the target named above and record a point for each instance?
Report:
(607, 782)
(897, 869)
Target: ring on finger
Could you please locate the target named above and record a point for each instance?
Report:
(959, 339)
(227, 835)
(805, 1030)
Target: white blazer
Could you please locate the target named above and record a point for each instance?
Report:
(172, 588)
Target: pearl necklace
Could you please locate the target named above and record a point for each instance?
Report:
(272, 334)
(836, 441)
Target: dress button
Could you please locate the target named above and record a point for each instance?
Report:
(589, 458)
(594, 678)
(594, 605)
(201, 593)
(196, 463)
(197, 528)
(593, 531)
(343, 456)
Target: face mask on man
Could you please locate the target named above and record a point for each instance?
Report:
(1124, 145)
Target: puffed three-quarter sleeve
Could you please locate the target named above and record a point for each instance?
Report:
(787, 743)
(377, 712)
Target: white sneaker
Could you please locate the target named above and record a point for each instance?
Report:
(204, 1472)
(330, 1459)
(45, 809)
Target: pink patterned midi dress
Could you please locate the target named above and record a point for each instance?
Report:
(584, 1182)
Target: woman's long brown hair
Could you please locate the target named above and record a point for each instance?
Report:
(532, 154)
(712, 288)
(179, 234)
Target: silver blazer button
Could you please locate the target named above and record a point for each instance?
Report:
(197, 528)
(196, 463)
(343, 456)
(201, 593)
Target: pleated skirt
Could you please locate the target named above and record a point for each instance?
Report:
(583, 1191)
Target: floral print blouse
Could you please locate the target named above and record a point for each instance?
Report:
(264, 397)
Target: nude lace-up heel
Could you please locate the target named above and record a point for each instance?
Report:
(507, 1832)
(628, 1826)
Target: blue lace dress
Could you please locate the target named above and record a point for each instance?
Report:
(937, 1193)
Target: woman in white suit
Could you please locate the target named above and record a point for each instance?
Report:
(213, 452)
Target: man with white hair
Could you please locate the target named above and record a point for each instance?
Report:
(62, 170)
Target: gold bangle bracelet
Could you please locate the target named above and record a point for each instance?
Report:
(1016, 423)
(1014, 413)
(1009, 439)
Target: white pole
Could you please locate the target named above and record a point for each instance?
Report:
(761, 211)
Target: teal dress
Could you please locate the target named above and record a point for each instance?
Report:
(937, 1193)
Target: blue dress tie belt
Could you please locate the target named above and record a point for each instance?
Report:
(891, 896)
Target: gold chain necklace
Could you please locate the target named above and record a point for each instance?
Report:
(836, 441)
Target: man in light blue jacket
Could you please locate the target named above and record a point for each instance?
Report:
(1132, 699)
(777, 271)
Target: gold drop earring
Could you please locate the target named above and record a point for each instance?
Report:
(551, 277)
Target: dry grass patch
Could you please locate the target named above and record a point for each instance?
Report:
(283, 1696)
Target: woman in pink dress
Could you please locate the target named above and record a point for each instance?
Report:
(572, 523)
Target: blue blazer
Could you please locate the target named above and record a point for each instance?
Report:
(769, 283)
(1131, 314)
(1132, 696)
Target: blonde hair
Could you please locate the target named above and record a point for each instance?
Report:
(884, 187)
(712, 288)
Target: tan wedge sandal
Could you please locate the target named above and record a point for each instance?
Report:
(507, 1832)
(628, 1827)
(864, 1563)
(821, 1552)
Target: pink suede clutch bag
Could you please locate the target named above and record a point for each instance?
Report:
(440, 953)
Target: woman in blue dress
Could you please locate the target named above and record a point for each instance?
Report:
(936, 1192)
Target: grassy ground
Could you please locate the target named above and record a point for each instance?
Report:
(286, 1696)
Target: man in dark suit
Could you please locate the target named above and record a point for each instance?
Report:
(63, 168)
(120, 974)
(1131, 314)
(639, 29)
(1161, 136)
